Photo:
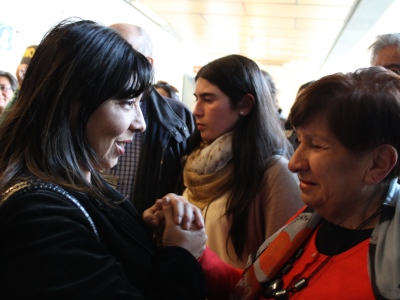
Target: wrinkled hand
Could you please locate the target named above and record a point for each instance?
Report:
(193, 239)
(184, 213)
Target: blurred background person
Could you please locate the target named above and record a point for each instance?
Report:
(289, 130)
(8, 86)
(274, 91)
(167, 90)
(385, 51)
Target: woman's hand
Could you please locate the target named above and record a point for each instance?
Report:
(192, 239)
(184, 213)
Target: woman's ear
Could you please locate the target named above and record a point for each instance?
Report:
(384, 159)
(246, 105)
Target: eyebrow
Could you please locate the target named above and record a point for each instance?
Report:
(204, 94)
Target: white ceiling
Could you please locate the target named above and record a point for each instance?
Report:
(294, 40)
(272, 32)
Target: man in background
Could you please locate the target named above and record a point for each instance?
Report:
(385, 51)
(151, 166)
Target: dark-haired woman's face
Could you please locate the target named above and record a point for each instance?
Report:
(213, 111)
(111, 127)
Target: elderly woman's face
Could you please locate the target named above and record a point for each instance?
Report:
(111, 127)
(331, 177)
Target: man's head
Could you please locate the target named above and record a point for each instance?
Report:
(385, 51)
(137, 37)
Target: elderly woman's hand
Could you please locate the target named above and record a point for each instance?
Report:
(184, 213)
(192, 239)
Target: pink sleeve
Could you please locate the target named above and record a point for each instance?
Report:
(221, 277)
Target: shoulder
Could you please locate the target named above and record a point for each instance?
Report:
(169, 105)
(277, 165)
(170, 114)
(279, 182)
(29, 206)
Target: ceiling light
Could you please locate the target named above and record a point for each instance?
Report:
(145, 10)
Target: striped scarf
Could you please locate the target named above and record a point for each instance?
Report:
(383, 257)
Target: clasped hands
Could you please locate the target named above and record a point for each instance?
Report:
(176, 222)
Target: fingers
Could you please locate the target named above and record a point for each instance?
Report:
(153, 216)
(198, 217)
(167, 210)
(185, 213)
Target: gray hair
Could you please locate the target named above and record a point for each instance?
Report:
(383, 41)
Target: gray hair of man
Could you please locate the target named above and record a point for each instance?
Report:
(383, 41)
(137, 37)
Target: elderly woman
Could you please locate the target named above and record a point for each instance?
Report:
(345, 243)
(64, 232)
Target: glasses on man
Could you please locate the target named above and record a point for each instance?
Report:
(5, 88)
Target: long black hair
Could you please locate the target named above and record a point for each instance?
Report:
(256, 136)
(78, 65)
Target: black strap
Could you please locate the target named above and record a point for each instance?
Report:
(33, 185)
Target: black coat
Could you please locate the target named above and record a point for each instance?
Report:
(49, 250)
(165, 143)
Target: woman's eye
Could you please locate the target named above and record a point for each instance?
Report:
(130, 102)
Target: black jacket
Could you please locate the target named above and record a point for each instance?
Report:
(49, 250)
(165, 142)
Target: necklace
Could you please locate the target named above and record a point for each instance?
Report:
(274, 289)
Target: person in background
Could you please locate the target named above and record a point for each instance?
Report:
(151, 166)
(289, 130)
(237, 173)
(345, 243)
(65, 232)
(21, 70)
(8, 85)
(273, 91)
(167, 90)
(23, 65)
(385, 51)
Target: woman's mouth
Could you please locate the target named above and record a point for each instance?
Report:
(305, 185)
(121, 147)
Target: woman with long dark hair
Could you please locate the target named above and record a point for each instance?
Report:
(65, 233)
(238, 173)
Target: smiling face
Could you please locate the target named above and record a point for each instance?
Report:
(213, 111)
(332, 178)
(111, 127)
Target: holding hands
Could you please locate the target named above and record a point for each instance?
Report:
(176, 222)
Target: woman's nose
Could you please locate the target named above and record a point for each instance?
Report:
(138, 124)
(197, 111)
(298, 161)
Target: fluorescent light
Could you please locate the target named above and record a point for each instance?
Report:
(148, 12)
